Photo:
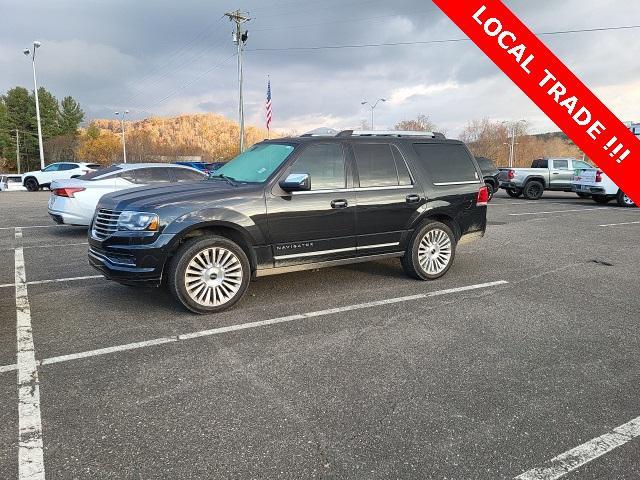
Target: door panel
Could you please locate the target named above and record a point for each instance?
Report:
(388, 198)
(560, 177)
(319, 224)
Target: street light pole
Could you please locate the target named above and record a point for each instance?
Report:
(373, 107)
(124, 143)
(28, 52)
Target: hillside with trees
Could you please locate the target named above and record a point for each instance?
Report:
(209, 136)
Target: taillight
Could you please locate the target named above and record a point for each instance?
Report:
(483, 197)
(598, 176)
(66, 192)
(511, 174)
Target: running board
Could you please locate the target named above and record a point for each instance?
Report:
(331, 263)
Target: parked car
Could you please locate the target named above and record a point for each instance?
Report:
(37, 179)
(490, 174)
(202, 166)
(10, 182)
(555, 174)
(595, 183)
(73, 201)
(291, 204)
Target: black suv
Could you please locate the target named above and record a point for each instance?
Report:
(295, 204)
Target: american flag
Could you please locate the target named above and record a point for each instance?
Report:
(268, 106)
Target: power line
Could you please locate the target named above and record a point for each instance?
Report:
(192, 81)
(428, 42)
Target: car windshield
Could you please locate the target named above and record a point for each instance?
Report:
(256, 164)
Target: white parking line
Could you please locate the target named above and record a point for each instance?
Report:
(576, 457)
(30, 454)
(618, 224)
(52, 245)
(53, 280)
(558, 211)
(35, 226)
(261, 323)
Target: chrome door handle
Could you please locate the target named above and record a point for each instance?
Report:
(413, 198)
(339, 203)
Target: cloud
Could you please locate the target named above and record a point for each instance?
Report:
(161, 57)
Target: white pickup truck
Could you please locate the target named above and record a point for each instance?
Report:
(594, 182)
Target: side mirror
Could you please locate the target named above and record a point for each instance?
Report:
(296, 182)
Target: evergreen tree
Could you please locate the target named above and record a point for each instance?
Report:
(48, 113)
(70, 115)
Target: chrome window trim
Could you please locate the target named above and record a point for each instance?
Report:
(356, 189)
(335, 250)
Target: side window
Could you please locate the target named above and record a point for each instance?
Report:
(184, 175)
(404, 177)
(128, 175)
(146, 176)
(66, 166)
(561, 164)
(540, 163)
(579, 164)
(325, 165)
(376, 165)
(446, 163)
(52, 168)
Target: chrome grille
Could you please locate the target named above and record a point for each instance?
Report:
(105, 223)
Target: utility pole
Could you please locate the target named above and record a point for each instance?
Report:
(240, 39)
(18, 149)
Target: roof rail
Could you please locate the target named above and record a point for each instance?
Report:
(388, 133)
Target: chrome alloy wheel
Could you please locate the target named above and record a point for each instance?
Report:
(213, 276)
(434, 252)
(627, 200)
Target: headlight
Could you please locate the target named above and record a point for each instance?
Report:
(138, 221)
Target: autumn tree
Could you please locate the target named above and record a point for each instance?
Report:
(421, 123)
(98, 146)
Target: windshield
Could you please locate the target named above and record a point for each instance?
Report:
(256, 164)
(97, 174)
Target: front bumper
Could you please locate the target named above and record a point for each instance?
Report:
(119, 259)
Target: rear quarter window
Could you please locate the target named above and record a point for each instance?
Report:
(446, 163)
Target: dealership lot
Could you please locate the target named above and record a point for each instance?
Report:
(527, 349)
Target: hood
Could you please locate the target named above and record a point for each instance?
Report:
(172, 196)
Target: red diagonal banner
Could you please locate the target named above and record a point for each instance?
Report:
(550, 84)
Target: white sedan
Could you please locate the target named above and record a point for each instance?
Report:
(74, 201)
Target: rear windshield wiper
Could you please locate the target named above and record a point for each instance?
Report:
(229, 180)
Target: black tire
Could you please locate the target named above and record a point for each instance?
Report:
(533, 190)
(623, 200)
(491, 189)
(411, 261)
(514, 192)
(31, 184)
(583, 195)
(216, 281)
(601, 199)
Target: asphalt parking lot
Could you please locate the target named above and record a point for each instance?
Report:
(523, 357)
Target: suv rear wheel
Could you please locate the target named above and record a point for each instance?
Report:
(31, 184)
(431, 252)
(533, 190)
(208, 275)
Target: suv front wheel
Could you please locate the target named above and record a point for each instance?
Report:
(209, 274)
(431, 252)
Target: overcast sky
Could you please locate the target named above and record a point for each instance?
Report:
(158, 57)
